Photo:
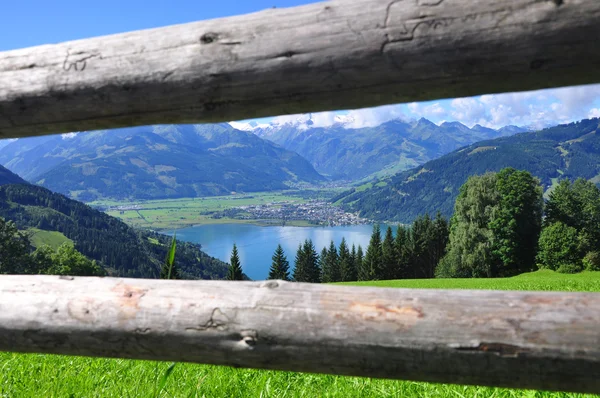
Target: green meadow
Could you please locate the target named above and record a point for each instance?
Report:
(33, 375)
(178, 213)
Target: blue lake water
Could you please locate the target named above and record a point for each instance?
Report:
(256, 244)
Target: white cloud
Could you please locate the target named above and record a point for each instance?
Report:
(68, 136)
(594, 112)
(534, 109)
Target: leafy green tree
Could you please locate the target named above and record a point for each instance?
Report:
(495, 226)
(14, 249)
(388, 255)
(560, 249)
(591, 261)
(331, 265)
(42, 260)
(234, 273)
(362, 272)
(347, 267)
(68, 261)
(373, 257)
(516, 222)
(280, 265)
(577, 205)
(169, 269)
(469, 249)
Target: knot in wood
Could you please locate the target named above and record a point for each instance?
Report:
(209, 37)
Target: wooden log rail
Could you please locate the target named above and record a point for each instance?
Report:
(538, 340)
(325, 56)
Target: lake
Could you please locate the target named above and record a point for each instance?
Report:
(256, 244)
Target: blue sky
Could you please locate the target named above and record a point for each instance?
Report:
(26, 23)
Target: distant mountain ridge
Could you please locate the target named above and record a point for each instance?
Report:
(343, 152)
(564, 151)
(165, 161)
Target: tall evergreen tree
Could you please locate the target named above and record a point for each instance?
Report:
(322, 259)
(362, 272)
(312, 261)
(441, 235)
(279, 266)
(299, 273)
(388, 255)
(402, 245)
(331, 265)
(347, 269)
(307, 264)
(234, 273)
(373, 256)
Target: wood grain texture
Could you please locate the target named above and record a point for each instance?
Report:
(334, 55)
(547, 341)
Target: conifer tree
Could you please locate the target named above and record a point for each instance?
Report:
(331, 265)
(388, 255)
(312, 261)
(300, 274)
(280, 265)
(441, 236)
(362, 272)
(307, 264)
(347, 269)
(373, 257)
(402, 249)
(234, 273)
(322, 265)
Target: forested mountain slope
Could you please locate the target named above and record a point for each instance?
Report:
(157, 162)
(8, 177)
(119, 248)
(565, 151)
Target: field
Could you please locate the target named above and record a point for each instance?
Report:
(51, 238)
(29, 375)
(179, 213)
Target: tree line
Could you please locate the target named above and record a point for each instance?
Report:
(501, 227)
(412, 253)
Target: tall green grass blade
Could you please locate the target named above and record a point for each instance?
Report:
(165, 377)
(171, 255)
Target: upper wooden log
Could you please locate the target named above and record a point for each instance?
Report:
(334, 55)
(547, 341)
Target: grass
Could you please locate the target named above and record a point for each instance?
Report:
(28, 375)
(51, 238)
(537, 281)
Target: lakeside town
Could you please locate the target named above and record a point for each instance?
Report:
(315, 212)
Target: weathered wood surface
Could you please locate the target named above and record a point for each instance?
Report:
(548, 341)
(334, 55)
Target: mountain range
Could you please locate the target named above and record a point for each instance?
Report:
(341, 151)
(564, 151)
(164, 161)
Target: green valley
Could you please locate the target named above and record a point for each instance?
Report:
(167, 214)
